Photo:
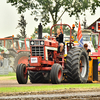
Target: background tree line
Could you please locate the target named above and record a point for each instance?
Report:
(55, 9)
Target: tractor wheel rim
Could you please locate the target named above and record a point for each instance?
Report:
(59, 74)
(83, 69)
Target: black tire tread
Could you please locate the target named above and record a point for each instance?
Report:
(54, 73)
(36, 77)
(20, 74)
(73, 74)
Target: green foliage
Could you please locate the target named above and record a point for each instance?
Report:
(46, 88)
(66, 30)
(94, 5)
(36, 30)
(22, 25)
(10, 74)
(21, 5)
(33, 36)
(55, 8)
(45, 30)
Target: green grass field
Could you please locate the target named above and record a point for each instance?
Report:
(46, 87)
(12, 76)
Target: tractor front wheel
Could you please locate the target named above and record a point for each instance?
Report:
(56, 74)
(21, 74)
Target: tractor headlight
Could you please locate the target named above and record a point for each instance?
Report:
(32, 42)
(42, 42)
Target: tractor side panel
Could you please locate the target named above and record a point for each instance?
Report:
(90, 75)
(95, 70)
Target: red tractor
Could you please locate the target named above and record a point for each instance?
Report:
(18, 49)
(46, 63)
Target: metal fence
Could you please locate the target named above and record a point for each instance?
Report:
(4, 67)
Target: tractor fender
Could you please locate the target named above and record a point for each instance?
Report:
(21, 57)
(12, 50)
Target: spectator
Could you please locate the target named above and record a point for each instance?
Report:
(1, 57)
(88, 50)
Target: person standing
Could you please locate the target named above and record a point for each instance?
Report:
(1, 57)
(88, 50)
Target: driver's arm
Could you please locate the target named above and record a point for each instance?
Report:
(55, 35)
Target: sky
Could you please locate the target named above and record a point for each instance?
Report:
(9, 20)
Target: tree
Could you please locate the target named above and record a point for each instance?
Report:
(45, 30)
(66, 30)
(94, 5)
(55, 8)
(22, 24)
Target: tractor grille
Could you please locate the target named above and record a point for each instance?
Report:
(38, 51)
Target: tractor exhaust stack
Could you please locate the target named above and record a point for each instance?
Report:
(40, 31)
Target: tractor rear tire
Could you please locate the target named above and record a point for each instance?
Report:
(11, 56)
(77, 65)
(56, 73)
(21, 57)
(36, 77)
(20, 74)
(46, 77)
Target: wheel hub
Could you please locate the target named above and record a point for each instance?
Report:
(83, 67)
(59, 74)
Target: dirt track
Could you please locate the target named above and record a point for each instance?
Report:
(65, 94)
(14, 83)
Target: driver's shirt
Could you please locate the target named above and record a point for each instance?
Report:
(88, 53)
(60, 38)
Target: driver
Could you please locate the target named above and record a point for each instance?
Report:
(59, 38)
